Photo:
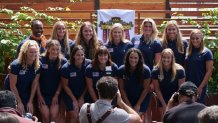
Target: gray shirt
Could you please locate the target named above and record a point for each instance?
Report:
(99, 108)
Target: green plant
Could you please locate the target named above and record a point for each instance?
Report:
(18, 28)
(213, 85)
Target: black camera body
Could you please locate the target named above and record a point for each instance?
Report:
(176, 97)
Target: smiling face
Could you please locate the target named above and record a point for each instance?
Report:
(133, 59)
(79, 57)
(31, 53)
(117, 34)
(196, 39)
(147, 29)
(172, 32)
(103, 58)
(37, 28)
(166, 59)
(53, 52)
(87, 32)
(61, 30)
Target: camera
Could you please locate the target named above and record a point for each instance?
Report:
(176, 97)
(28, 116)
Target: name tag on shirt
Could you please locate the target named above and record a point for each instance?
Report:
(45, 66)
(73, 74)
(95, 74)
(111, 50)
(160, 77)
(108, 68)
(136, 42)
(22, 72)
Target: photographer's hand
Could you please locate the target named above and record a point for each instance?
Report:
(134, 117)
(171, 102)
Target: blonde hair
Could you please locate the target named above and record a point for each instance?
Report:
(120, 26)
(174, 65)
(196, 31)
(154, 34)
(51, 43)
(79, 40)
(22, 57)
(179, 42)
(54, 35)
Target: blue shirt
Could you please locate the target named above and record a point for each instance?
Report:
(49, 76)
(168, 87)
(95, 75)
(195, 65)
(179, 57)
(75, 77)
(24, 79)
(132, 85)
(148, 49)
(118, 52)
(63, 51)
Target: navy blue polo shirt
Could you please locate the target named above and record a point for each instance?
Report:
(49, 76)
(75, 77)
(195, 65)
(168, 87)
(118, 52)
(65, 53)
(179, 57)
(95, 75)
(133, 87)
(148, 49)
(24, 79)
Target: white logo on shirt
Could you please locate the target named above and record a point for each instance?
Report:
(22, 72)
(73, 74)
(95, 74)
(45, 66)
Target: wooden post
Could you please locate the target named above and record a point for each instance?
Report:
(168, 8)
(97, 4)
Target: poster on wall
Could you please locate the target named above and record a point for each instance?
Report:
(107, 17)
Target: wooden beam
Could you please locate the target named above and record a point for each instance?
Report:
(194, 5)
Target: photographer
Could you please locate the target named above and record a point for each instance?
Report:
(103, 111)
(8, 104)
(187, 109)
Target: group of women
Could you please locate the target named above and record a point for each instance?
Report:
(64, 76)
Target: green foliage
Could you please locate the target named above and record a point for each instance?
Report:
(213, 82)
(12, 32)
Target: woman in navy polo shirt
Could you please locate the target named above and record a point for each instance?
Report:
(172, 38)
(49, 81)
(134, 81)
(148, 42)
(24, 75)
(150, 46)
(101, 66)
(60, 33)
(118, 45)
(74, 83)
(198, 63)
(87, 38)
(167, 76)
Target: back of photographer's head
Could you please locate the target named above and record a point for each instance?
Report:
(7, 99)
(208, 115)
(188, 89)
(107, 87)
